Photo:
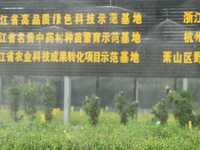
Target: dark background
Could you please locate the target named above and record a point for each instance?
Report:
(162, 29)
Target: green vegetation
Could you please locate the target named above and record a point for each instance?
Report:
(121, 104)
(160, 112)
(48, 100)
(92, 109)
(30, 99)
(132, 109)
(13, 94)
(125, 107)
(108, 134)
(183, 105)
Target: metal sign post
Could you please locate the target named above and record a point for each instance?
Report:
(67, 99)
(185, 84)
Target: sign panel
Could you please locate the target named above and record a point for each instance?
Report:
(102, 38)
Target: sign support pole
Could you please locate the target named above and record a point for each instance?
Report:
(67, 99)
(185, 84)
(135, 89)
(0, 92)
